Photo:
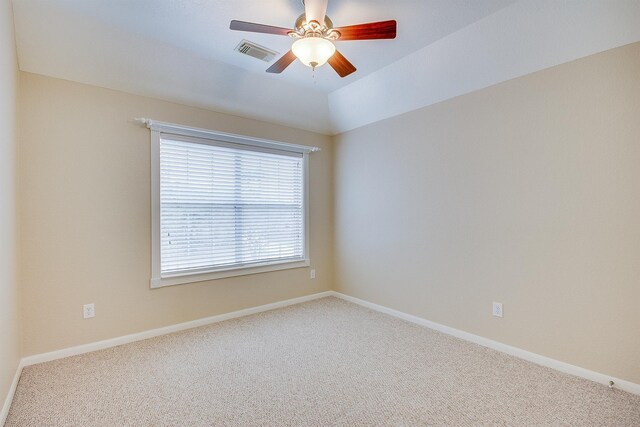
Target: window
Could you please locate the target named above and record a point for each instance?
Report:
(225, 205)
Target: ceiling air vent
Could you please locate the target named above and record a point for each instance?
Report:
(255, 50)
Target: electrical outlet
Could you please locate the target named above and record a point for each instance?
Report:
(312, 274)
(497, 309)
(89, 311)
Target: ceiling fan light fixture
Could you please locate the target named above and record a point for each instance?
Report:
(313, 51)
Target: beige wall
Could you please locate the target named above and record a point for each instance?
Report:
(9, 325)
(85, 217)
(524, 193)
(527, 193)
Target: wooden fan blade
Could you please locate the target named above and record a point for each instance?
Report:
(258, 28)
(282, 63)
(341, 64)
(315, 10)
(370, 31)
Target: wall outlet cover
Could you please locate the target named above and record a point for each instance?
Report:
(497, 309)
(89, 311)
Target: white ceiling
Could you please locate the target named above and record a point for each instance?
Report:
(183, 50)
(202, 27)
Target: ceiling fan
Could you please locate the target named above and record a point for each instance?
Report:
(314, 34)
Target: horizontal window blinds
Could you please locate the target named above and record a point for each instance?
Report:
(224, 206)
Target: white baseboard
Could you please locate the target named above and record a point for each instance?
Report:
(100, 345)
(12, 391)
(504, 348)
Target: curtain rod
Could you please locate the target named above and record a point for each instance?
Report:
(156, 125)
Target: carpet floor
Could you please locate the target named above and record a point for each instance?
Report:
(322, 363)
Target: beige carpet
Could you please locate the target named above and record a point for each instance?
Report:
(326, 362)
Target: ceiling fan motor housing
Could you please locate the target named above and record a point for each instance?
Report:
(302, 28)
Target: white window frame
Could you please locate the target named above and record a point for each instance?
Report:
(158, 129)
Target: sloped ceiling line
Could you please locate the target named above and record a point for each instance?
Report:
(525, 37)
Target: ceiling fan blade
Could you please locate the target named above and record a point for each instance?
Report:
(315, 10)
(370, 31)
(282, 63)
(341, 64)
(258, 28)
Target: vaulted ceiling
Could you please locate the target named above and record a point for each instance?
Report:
(183, 51)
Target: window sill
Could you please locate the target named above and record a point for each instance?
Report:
(213, 275)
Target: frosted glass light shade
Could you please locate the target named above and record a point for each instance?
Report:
(313, 51)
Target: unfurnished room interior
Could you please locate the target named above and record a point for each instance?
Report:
(319, 213)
